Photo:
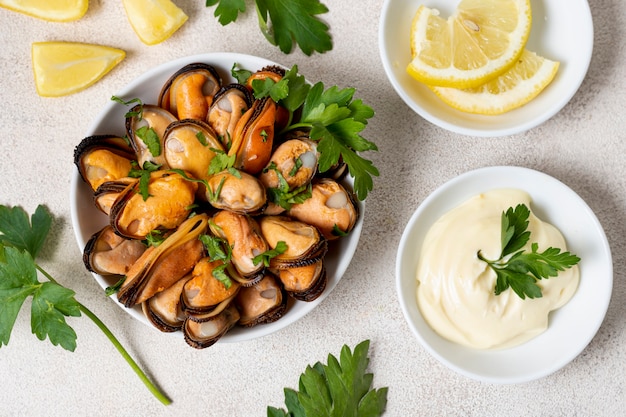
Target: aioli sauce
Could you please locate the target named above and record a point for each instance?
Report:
(455, 291)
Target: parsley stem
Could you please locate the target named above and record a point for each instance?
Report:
(131, 362)
(294, 127)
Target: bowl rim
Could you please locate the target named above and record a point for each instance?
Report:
(466, 361)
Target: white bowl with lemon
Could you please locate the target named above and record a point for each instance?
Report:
(520, 61)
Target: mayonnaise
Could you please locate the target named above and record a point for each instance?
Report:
(455, 290)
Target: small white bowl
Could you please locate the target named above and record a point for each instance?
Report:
(562, 30)
(571, 327)
(86, 219)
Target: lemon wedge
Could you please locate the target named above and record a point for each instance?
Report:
(51, 10)
(154, 20)
(529, 76)
(63, 68)
(480, 41)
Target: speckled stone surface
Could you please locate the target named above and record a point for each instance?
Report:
(584, 146)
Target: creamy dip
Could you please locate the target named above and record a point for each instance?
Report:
(455, 291)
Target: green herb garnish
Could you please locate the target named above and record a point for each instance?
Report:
(144, 176)
(266, 256)
(219, 250)
(21, 240)
(150, 137)
(283, 22)
(340, 388)
(335, 121)
(521, 270)
(136, 113)
(154, 238)
(220, 161)
(282, 195)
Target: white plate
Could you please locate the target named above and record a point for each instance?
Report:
(571, 327)
(87, 220)
(562, 30)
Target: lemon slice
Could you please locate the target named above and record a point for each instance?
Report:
(530, 75)
(51, 10)
(481, 40)
(154, 20)
(63, 68)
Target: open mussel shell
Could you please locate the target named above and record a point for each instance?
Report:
(305, 244)
(102, 158)
(331, 208)
(106, 194)
(204, 296)
(190, 145)
(229, 104)
(161, 266)
(236, 191)
(107, 253)
(143, 118)
(169, 203)
(201, 335)
(189, 92)
(244, 236)
(163, 309)
(263, 302)
(296, 160)
(304, 283)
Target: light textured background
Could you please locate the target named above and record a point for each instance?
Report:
(584, 146)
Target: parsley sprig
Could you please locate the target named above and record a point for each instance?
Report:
(335, 121)
(283, 22)
(521, 270)
(340, 388)
(21, 240)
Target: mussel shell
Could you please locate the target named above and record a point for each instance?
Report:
(304, 283)
(163, 309)
(285, 160)
(305, 244)
(107, 253)
(203, 296)
(152, 117)
(106, 194)
(229, 104)
(168, 205)
(264, 302)
(190, 145)
(161, 266)
(102, 158)
(241, 192)
(190, 101)
(330, 207)
(201, 335)
(253, 138)
(244, 236)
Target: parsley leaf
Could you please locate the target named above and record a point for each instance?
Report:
(144, 176)
(20, 242)
(521, 270)
(335, 120)
(265, 257)
(340, 388)
(150, 137)
(283, 22)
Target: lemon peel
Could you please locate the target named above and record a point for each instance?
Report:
(50, 10)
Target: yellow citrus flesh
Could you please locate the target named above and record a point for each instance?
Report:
(529, 76)
(63, 68)
(480, 41)
(154, 20)
(51, 10)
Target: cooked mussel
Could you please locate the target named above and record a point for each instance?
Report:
(190, 145)
(263, 302)
(168, 204)
(236, 191)
(163, 309)
(304, 283)
(229, 104)
(253, 138)
(102, 158)
(305, 244)
(106, 194)
(107, 253)
(204, 296)
(243, 235)
(189, 92)
(159, 267)
(201, 335)
(331, 208)
(145, 125)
